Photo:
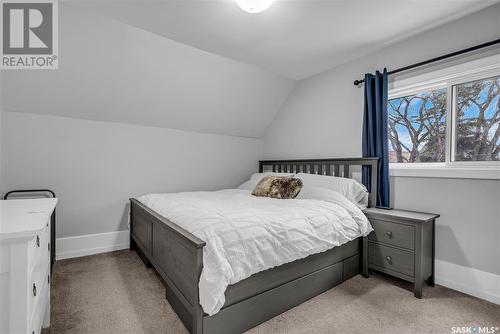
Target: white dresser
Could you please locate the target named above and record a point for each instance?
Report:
(25, 264)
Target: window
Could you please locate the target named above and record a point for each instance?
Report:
(451, 120)
(417, 127)
(477, 120)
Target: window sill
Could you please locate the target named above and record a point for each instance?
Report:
(485, 173)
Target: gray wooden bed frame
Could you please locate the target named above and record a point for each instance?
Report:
(177, 255)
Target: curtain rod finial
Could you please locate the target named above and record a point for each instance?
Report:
(356, 82)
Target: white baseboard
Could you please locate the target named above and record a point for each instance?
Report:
(474, 282)
(471, 281)
(90, 244)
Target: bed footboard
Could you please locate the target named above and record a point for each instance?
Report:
(176, 254)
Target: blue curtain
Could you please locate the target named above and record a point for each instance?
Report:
(375, 143)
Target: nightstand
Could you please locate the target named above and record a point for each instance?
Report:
(402, 245)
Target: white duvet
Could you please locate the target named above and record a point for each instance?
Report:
(245, 234)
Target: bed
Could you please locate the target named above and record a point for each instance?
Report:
(177, 255)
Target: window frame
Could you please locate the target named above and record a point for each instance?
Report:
(448, 78)
(451, 141)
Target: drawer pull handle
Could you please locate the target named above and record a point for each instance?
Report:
(34, 289)
(389, 234)
(48, 279)
(38, 241)
(48, 246)
(389, 259)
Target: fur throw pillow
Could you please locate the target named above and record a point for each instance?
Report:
(278, 187)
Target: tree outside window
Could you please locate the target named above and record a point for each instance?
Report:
(478, 120)
(417, 127)
(417, 124)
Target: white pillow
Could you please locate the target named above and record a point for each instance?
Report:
(327, 195)
(256, 177)
(350, 188)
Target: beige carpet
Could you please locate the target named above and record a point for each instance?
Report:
(116, 293)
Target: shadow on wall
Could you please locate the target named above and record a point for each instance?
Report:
(392, 186)
(448, 239)
(444, 234)
(125, 218)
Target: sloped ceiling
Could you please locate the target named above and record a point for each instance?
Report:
(112, 71)
(294, 38)
(206, 66)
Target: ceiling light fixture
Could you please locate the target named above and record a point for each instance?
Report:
(254, 6)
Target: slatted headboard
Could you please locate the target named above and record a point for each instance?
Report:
(341, 167)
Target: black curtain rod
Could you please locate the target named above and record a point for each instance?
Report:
(449, 55)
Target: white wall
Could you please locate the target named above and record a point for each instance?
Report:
(323, 118)
(95, 167)
(110, 71)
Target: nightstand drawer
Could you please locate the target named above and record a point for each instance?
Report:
(391, 258)
(393, 234)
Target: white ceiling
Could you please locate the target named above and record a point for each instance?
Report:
(205, 66)
(110, 71)
(293, 38)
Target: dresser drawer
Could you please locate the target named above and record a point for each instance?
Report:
(385, 257)
(39, 279)
(393, 234)
(39, 247)
(40, 305)
(38, 270)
